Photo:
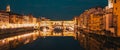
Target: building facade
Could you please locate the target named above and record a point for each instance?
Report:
(95, 23)
(4, 19)
(116, 11)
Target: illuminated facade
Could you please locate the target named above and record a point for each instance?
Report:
(108, 22)
(51, 28)
(116, 10)
(83, 20)
(94, 19)
(13, 20)
(4, 19)
(95, 22)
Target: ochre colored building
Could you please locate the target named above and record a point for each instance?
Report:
(116, 10)
(95, 22)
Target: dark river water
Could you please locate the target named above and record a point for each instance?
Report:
(52, 43)
(35, 40)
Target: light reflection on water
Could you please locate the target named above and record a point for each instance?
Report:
(8, 43)
(96, 43)
(88, 43)
(18, 40)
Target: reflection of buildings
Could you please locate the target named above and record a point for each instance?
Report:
(8, 43)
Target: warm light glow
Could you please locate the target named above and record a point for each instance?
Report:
(16, 37)
(44, 30)
(3, 41)
(3, 27)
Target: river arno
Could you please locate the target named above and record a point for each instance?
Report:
(21, 38)
(92, 41)
(63, 40)
(81, 40)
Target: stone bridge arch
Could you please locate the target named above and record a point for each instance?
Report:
(65, 28)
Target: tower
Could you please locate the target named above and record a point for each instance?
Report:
(8, 8)
(110, 3)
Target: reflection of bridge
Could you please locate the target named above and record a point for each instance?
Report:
(57, 28)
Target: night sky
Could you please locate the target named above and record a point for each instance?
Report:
(53, 9)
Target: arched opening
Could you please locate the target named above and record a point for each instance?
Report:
(58, 29)
(44, 28)
(69, 29)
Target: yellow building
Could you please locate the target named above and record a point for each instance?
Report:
(12, 18)
(15, 18)
(80, 20)
(34, 20)
(83, 20)
(31, 18)
(95, 22)
(116, 9)
(4, 19)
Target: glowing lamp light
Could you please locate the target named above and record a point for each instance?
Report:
(3, 27)
(44, 30)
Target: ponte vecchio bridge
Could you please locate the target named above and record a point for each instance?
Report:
(58, 28)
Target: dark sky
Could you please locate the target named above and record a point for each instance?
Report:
(53, 9)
